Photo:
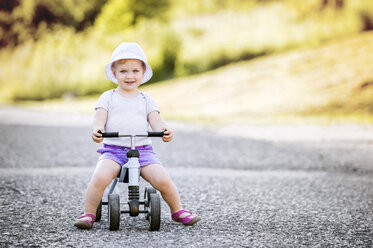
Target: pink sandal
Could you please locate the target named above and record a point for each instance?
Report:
(85, 224)
(188, 220)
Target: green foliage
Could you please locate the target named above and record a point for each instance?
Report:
(119, 15)
(218, 38)
(63, 45)
(181, 9)
(53, 66)
(115, 16)
(169, 53)
(24, 20)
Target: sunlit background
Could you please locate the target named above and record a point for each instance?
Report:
(214, 61)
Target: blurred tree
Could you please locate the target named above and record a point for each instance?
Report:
(337, 4)
(367, 20)
(118, 15)
(169, 53)
(22, 20)
(8, 5)
(148, 8)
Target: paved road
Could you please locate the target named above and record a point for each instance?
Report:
(302, 186)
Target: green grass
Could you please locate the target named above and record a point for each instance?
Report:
(66, 62)
(332, 83)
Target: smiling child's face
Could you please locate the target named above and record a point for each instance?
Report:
(129, 73)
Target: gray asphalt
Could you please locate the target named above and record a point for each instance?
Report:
(250, 192)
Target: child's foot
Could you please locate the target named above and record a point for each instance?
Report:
(85, 221)
(186, 217)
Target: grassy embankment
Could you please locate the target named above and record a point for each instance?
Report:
(332, 83)
(64, 62)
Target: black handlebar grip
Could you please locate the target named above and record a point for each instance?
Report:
(109, 134)
(155, 134)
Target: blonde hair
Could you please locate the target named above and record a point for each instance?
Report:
(122, 61)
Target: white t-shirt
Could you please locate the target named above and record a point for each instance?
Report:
(127, 116)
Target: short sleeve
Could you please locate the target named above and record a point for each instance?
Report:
(103, 101)
(151, 104)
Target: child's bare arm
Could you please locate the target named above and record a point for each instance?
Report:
(157, 125)
(99, 122)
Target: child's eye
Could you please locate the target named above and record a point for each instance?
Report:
(123, 71)
(135, 70)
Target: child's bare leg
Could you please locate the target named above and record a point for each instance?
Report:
(106, 170)
(158, 177)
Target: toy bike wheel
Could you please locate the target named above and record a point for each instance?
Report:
(99, 211)
(154, 212)
(148, 190)
(114, 212)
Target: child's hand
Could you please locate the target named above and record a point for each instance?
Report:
(168, 135)
(96, 136)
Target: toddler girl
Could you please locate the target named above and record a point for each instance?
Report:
(127, 110)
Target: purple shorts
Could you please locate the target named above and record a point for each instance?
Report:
(119, 154)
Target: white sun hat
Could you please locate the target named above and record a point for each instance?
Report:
(128, 50)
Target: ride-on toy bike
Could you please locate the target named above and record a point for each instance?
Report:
(130, 173)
